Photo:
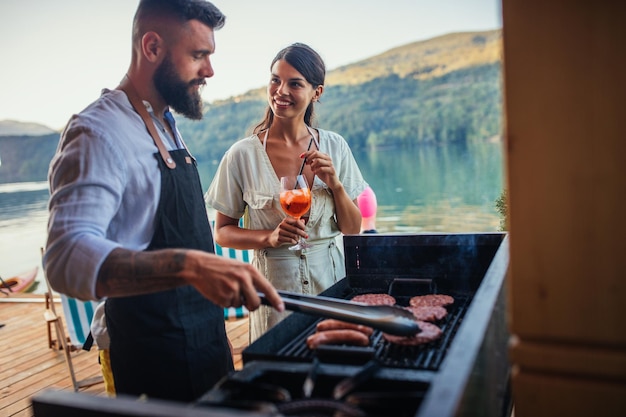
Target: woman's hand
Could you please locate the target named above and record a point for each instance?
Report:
(322, 166)
(289, 231)
(346, 210)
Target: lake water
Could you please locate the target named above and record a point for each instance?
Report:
(426, 189)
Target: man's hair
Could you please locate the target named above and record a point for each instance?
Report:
(180, 10)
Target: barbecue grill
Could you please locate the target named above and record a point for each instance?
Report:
(464, 373)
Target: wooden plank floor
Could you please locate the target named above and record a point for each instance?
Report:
(28, 366)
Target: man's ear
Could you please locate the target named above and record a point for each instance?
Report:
(151, 46)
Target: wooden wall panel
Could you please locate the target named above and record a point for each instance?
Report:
(548, 395)
(565, 106)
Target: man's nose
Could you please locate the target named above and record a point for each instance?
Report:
(207, 69)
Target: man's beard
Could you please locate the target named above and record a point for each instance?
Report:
(176, 92)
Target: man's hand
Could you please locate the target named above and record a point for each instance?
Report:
(226, 282)
(231, 283)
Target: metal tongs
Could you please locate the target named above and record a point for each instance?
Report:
(389, 319)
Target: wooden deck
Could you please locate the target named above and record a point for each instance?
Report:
(28, 366)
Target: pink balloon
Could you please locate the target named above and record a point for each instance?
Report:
(367, 203)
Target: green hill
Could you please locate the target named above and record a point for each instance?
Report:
(26, 158)
(445, 89)
(424, 60)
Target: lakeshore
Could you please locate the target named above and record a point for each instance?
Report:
(419, 190)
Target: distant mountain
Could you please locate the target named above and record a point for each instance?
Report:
(445, 89)
(15, 128)
(424, 60)
(442, 90)
(26, 158)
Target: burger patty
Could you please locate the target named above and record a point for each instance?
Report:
(375, 299)
(428, 333)
(431, 300)
(428, 313)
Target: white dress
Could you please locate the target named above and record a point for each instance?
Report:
(246, 184)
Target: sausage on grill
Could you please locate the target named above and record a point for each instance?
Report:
(332, 324)
(337, 337)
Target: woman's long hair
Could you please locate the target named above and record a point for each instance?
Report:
(308, 63)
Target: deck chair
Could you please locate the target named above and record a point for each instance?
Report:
(243, 255)
(78, 315)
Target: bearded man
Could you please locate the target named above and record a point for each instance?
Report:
(127, 217)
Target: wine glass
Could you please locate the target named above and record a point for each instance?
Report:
(295, 199)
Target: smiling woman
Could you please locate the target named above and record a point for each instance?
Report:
(253, 179)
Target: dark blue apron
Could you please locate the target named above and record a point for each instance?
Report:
(172, 344)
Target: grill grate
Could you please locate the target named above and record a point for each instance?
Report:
(424, 357)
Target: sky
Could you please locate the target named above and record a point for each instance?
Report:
(56, 56)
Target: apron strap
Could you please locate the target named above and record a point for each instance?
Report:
(140, 108)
